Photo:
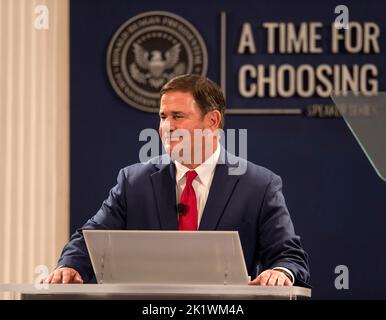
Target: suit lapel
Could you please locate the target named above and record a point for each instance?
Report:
(220, 192)
(164, 188)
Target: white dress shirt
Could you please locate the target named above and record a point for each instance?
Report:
(201, 184)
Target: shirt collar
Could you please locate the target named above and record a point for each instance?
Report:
(204, 170)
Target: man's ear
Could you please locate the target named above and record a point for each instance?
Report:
(214, 119)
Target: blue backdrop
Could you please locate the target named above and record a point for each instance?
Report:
(337, 202)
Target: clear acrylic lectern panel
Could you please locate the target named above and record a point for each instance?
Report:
(166, 257)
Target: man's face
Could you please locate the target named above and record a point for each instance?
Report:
(178, 110)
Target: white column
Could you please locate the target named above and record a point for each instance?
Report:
(34, 137)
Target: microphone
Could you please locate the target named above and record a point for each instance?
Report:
(181, 208)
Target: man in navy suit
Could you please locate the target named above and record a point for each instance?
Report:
(147, 195)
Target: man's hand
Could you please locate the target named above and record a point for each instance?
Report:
(271, 278)
(64, 275)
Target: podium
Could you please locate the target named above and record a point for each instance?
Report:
(154, 292)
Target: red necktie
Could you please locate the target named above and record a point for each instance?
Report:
(188, 219)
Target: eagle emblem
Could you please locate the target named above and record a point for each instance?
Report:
(147, 51)
(156, 67)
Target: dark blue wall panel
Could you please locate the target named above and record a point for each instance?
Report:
(337, 201)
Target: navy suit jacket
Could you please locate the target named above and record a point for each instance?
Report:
(144, 198)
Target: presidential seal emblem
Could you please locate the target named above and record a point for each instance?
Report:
(150, 49)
